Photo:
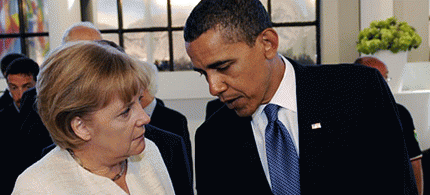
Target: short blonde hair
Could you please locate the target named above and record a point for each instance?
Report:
(80, 78)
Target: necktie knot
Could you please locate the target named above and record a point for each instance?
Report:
(271, 111)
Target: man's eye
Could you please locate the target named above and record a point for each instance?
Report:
(223, 68)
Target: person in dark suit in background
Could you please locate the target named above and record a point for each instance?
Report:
(329, 116)
(406, 120)
(6, 98)
(161, 116)
(21, 75)
(173, 151)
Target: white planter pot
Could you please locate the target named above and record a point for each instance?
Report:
(395, 63)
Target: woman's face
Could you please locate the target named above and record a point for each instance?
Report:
(118, 129)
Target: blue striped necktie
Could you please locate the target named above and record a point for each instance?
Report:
(282, 156)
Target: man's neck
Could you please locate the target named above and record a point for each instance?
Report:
(277, 73)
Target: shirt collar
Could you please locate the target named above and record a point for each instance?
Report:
(151, 107)
(285, 96)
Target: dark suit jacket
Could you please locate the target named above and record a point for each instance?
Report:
(358, 150)
(212, 107)
(10, 123)
(172, 149)
(26, 141)
(174, 122)
(10, 118)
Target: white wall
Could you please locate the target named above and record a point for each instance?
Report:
(186, 92)
(61, 16)
(339, 31)
(374, 10)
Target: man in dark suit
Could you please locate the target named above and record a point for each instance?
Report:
(341, 120)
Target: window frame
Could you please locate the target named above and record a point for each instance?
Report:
(23, 35)
(170, 29)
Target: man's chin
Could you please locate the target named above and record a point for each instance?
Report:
(244, 112)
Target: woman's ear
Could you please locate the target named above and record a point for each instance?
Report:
(270, 41)
(80, 128)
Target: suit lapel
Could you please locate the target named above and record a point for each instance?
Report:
(243, 153)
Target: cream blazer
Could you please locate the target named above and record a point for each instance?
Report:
(59, 173)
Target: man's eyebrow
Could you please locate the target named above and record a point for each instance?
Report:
(214, 65)
(26, 84)
(217, 64)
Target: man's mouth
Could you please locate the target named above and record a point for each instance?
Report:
(231, 103)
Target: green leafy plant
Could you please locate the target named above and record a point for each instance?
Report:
(388, 35)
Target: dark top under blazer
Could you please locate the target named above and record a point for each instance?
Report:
(358, 150)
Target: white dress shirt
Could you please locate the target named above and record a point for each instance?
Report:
(59, 173)
(285, 97)
(149, 110)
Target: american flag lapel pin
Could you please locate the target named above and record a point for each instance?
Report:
(316, 126)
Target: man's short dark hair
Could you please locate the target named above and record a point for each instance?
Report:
(239, 20)
(7, 59)
(23, 66)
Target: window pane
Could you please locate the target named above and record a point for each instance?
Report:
(180, 11)
(36, 16)
(144, 13)
(298, 43)
(12, 45)
(152, 47)
(293, 10)
(111, 37)
(180, 56)
(107, 14)
(37, 47)
(9, 17)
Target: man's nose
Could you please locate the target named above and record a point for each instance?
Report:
(20, 92)
(217, 84)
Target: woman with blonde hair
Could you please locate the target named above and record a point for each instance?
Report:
(89, 100)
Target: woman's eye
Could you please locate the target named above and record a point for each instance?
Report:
(126, 112)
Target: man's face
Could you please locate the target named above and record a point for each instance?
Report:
(18, 84)
(238, 74)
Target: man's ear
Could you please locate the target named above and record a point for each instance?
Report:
(80, 128)
(270, 40)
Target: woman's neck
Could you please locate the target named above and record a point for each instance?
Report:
(96, 162)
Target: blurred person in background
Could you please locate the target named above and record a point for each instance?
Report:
(81, 31)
